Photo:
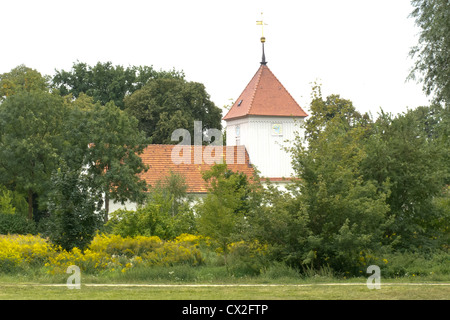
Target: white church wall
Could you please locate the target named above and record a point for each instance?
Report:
(265, 138)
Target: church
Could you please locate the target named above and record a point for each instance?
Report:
(258, 125)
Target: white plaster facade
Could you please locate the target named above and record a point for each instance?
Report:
(265, 138)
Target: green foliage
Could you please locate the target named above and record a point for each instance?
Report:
(432, 53)
(31, 140)
(21, 78)
(39, 130)
(167, 212)
(280, 220)
(166, 104)
(73, 208)
(106, 82)
(222, 212)
(346, 213)
(325, 110)
(6, 199)
(16, 224)
(410, 265)
(174, 186)
(408, 151)
(112, 158)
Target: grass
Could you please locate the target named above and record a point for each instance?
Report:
(215, 283)
(312, 291)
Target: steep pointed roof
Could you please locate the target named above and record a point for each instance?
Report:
(265, 96)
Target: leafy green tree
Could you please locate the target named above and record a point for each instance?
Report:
(73, 208)
(22, 78)
(174, 186)
(221, 214)
(325, 110)
(6, 201)
(106, 82)
(346, 213)
(166, 104)
(166, 213)
(31, 141)
(408, 151)
(279, 219)
(112, 157)
(432, 53)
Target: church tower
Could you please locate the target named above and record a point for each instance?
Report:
(263, 117)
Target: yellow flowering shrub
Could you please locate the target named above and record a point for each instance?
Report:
(21, 251)
(105, 253)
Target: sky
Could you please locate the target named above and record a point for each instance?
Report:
(355, 48)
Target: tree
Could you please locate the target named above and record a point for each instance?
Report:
(222, 212)
(166, 213)
(280, 220)
(166, 104)
(105, 82)
(112, 158)
(174, 187)
(432, 53)
(408, 150)
(22, 78)
(325, 110)
(346, 213)
(31, 141)
(74, 211)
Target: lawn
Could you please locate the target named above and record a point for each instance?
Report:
(306, 291)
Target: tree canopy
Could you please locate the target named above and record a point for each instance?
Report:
(42, 132)
(105, 82)
(432, 53)
(166, 104)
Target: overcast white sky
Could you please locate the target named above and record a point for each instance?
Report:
(355, 48)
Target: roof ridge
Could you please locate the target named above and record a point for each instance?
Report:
(260, 71)
(247, 88)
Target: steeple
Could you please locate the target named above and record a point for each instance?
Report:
(264, 119)
(263, 61)
(263, 39)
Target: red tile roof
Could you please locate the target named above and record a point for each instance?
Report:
(266, 96)
(159, 159)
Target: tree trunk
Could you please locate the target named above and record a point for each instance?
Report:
(30, 205)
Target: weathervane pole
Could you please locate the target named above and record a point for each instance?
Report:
(263, 39)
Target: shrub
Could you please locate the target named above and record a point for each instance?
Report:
(18, 252)
(16, 224)
(247, 258)
(409, 264)
(114, 252)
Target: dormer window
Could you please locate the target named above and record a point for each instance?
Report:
(239, 104)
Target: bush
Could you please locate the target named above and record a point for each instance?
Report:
(155, 218)
(106, 253)
(279, 271)
(114, 252)
(73, 207)
(16, 224)
(247, 258)
(19, 252)
(410, 264)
